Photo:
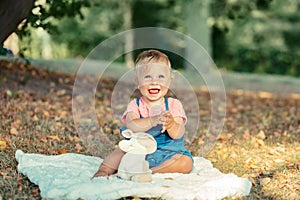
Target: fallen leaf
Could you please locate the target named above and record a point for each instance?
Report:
(61, 92)
(260, 142)
(2, 173)
(265, 181)
(8, 93)
(46, 114)
(3, 144)
(200, 141)
(43, 139)
(261, 135)
(250, 164)
(225, 137)
(279, 160)
(16, 123)
(265, 95)
(62, 151)
(246, 134)
(53, 137)
(78, 147)
(35, 118)
(13, 131)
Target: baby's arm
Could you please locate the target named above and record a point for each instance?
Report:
(137, 124)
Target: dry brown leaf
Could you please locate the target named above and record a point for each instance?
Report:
(261, 135)
(3, 144)
(16, 123)
(246, 134)
(266, 180)
(35, 118)
(62, 151)
(61, 92)
(260, 142)
(279, 160)
(43, 139)
(53, 137)
(46, 114)
(265, 95)
(200, 141)
(224, 137)
(78, 147)
(8, 93)
(13, 131)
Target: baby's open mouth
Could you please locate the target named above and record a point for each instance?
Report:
(153, 91)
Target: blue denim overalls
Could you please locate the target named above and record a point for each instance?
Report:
(166, 146)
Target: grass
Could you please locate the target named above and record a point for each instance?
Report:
(260, 139)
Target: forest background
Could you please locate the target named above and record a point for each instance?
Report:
(260, 36)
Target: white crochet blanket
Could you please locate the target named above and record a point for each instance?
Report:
(68, 176)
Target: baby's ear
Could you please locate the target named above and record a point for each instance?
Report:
(172, 74)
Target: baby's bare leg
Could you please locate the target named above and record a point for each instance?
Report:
(178, 163)
(110, 164)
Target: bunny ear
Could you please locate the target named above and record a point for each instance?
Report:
(124, 145)
(127, 133)
(151, 145)
(147, 141)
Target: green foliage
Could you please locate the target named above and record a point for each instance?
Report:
(249, 36)
(263, 40)
(106, 18)
(271, 61)
(82, 34)
(43, 14)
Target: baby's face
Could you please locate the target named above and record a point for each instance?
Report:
(154, 80)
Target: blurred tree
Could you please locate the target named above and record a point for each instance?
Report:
(38, 13)
(44, 11)
(257, 36)
(81, 34)
(12, 13)
(250, 36)
(106, 18)
(129, 43)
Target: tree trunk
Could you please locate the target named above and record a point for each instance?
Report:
(129, 39)
(12, 13)
(197, 13)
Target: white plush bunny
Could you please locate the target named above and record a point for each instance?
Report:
(133, 165)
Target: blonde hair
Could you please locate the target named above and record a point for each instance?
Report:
(152, 56)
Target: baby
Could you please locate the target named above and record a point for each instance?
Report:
(162, 117)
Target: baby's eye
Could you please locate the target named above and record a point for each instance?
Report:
(147, 77)
(161, 76)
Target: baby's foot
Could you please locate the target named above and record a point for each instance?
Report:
(100, 173)
(104, 171)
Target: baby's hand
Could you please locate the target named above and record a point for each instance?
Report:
(157, 119)
(168, 121)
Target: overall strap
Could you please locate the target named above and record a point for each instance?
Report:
(166, 103)
(137, 100)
